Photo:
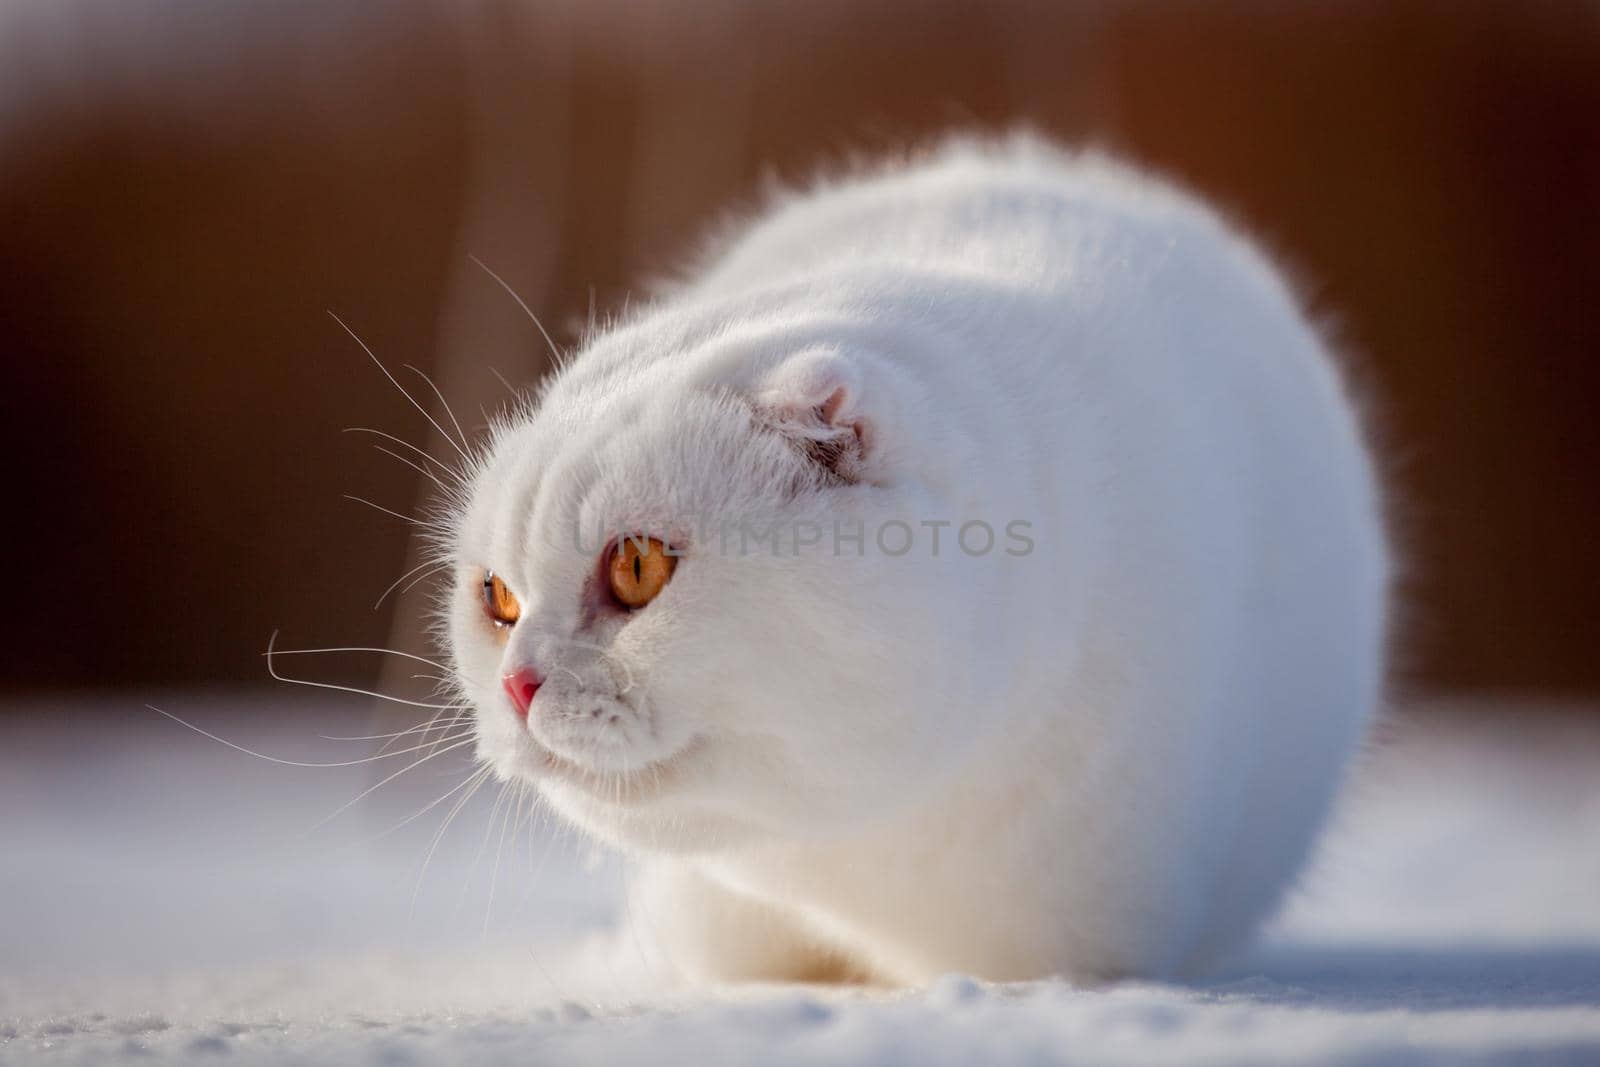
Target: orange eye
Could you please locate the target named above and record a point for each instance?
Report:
(499, 602)
(639, 570)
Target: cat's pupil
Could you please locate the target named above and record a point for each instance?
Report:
(638, 568)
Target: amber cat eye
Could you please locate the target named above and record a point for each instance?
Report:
(639, 570)
(499, 601)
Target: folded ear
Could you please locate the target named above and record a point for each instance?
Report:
(814, 399)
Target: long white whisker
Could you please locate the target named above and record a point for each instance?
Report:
(483, 846)
(353, 648)
(359, 692)
(494, 875)
(430, 565)
(443, 721)
(463, 784)
(441, 464)
(554, 351)
(442, 403)
(425, 575)
(444, 728)
(456, 713)
(438, 835)
(273, 671)
(501, 378)
(396, 383)
(458, 742)
(442, 738)
(414, 466)
(412, 519)
(421, 731)
(423, 728)
(275, 759)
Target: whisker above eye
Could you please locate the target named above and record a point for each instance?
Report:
(396, 383)
(441, 464)
(428, 566)
(443, 565)
(428, 474)
(509, 387)
(412, 519)
(442, 403)
(555, 353)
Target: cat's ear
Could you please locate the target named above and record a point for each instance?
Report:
(814, 399)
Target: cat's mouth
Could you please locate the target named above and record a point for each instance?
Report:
(628, 786)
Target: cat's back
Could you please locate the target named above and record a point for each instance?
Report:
(1017, 210)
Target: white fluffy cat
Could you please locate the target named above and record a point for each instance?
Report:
(1001, 585)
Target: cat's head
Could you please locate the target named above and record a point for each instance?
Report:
(673, 610)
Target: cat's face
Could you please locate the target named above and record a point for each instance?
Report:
(731, 690)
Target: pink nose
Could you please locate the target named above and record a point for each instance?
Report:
(520, 686)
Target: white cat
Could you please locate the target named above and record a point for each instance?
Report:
(1001, 585)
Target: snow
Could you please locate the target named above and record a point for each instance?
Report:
(164, 897)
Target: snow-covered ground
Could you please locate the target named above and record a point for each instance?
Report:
(161, 894)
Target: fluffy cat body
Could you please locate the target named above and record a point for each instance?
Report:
(1100, 748)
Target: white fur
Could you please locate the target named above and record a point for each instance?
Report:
(1106, 757)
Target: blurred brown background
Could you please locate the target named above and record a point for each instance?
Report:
(186, 189)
